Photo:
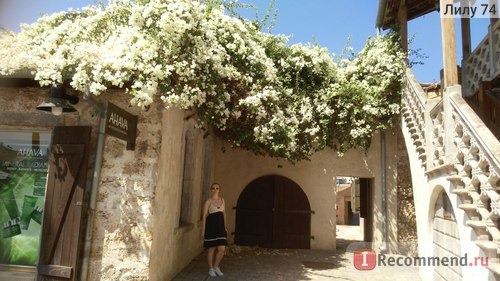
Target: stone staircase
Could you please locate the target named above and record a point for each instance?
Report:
(453, 145)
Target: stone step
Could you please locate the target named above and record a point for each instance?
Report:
(476, 224)
(495, 268)
(454, 178)
(468, 207)
(479, 228)
(487, 246)
(460, 191)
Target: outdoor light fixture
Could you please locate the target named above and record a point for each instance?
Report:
(59, 101)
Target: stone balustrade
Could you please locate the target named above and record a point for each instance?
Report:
(450, 137)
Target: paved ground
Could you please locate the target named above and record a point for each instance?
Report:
(245, 263)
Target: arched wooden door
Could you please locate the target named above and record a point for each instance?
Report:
(273, 212)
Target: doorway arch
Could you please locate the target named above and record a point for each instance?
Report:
(446, 237)
(273, 212)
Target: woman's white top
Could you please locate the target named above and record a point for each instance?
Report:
(217, 206)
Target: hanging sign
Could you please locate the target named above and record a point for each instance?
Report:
(121, 124)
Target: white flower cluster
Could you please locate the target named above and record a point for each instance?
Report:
(257, 91)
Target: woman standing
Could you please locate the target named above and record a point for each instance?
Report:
(214, 230)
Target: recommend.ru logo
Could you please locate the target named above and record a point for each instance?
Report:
(368, 259)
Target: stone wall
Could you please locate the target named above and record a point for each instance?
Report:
(407, 221)
(122, 224)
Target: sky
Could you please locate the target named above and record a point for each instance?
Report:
(333, 24)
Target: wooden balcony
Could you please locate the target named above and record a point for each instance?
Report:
(483, 64)
(481, 79)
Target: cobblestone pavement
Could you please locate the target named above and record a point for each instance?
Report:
(246, 264)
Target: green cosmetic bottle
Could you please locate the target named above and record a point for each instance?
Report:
(11, 228)
(28, 207)
(9, 201)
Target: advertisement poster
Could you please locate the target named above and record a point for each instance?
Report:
(23, 176)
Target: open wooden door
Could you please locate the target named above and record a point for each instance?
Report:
(63, 222)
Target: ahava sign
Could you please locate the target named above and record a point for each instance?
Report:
(121, 124)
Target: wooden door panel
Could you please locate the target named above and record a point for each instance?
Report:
(293, 216)
(254, 215)
(273, 211)
(63, 219)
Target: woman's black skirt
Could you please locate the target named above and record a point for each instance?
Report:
(215, 231)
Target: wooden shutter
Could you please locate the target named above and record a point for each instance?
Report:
(63, 220)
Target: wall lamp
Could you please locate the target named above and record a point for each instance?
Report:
(58, 101)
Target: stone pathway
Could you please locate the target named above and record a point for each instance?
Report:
(253, 263)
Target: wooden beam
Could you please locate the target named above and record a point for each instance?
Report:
(18, 82)
(466, 39)
(31, 119)
(403, 23)
(449, 49)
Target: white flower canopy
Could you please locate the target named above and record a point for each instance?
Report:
(256, 91)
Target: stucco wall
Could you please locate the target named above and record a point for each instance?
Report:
(343, 196)
(174, 244)
(236, 168)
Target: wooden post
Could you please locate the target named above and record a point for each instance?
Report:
(449, 48)
(403, 22)
(466, 39)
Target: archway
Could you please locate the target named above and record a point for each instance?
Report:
(273, 212)
(446, 238)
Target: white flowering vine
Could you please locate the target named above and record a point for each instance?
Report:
(254, 89)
